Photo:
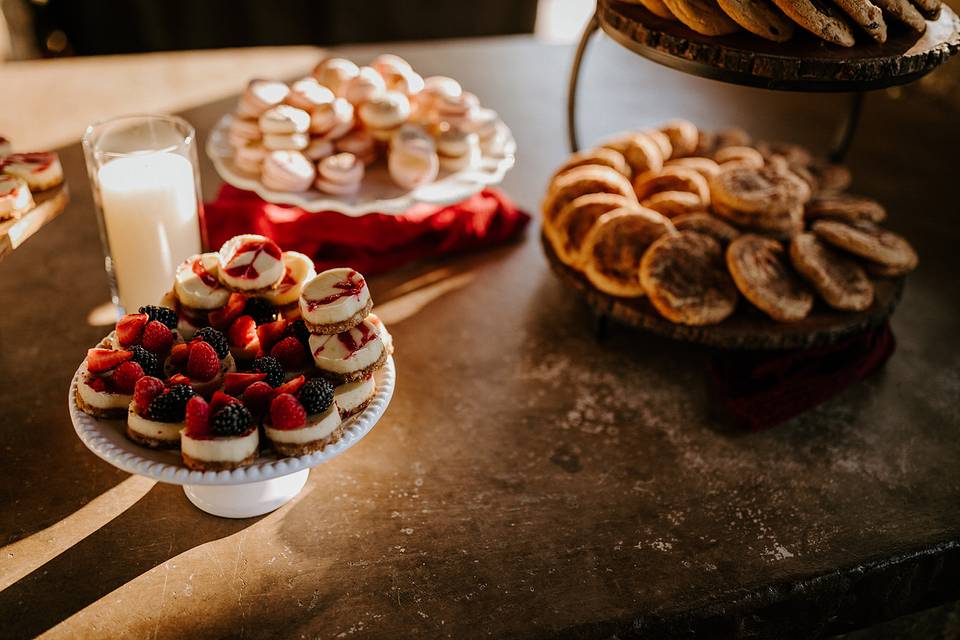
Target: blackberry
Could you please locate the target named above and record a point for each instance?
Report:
(269, 366)
(149, 362)
(298, 329)
(170, 406)
(216, 340)
(233, 419)
(163, 314)
(316, 395)
(260, 310)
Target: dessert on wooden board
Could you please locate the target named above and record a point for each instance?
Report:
(23, 176)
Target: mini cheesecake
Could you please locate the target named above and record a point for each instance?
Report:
(15, 197)
(335, 301)
(298, 270)
(303, 418)
(157, 413)
(204, 367)
(218, 436)
(198, 291)
(350, 355)
(97, 393)
(250, 264)
(40, 170)
(353, 397)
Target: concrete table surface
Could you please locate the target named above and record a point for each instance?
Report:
(527, 480)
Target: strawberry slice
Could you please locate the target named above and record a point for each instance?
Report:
(130, 328)
(178, 378)
(236, 383)
(242, 332)
(292, 386)
(220, 400)
(100, 360)
(222, 317)
(179, 354)
(271, 333)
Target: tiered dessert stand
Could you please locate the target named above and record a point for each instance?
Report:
(249, 491)
(802, 64)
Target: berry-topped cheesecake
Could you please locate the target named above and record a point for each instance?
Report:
(250, 264)
(107, 379)
(153, 329)
(204, 361)
(350, 355)
(156, 414)
(218, 435)
(303, 418)
(335, 301)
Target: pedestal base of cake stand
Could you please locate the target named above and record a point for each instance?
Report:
(246, 500)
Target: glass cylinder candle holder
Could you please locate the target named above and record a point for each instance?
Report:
(146, 188)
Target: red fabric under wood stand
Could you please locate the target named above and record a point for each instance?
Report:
(372, 243)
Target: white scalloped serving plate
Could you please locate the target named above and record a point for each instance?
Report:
(106, 439)
(378, 193)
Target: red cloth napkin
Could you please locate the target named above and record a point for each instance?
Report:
(761, 389)
(372, 243)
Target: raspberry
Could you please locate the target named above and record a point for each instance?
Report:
(202, 363)
(269, 366)
(126, 375)
(316, 395)
(163, 314)
(130, 327)
(145, 390)
(222, 317)
(170, 406)
(291, 355)
(100, 360)
(157, 338)
(100, 384)
(232, 420)
(287, 413)
(216, 340)
(270, 334)
(298, 329)
(198, 416)
(151, 363)
(236, 383)
(260, 310)
(257, 397)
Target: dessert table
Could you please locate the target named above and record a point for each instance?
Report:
(528, 479)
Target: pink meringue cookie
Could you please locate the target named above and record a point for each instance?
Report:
(319, 148)
(283, 120)
(457, 149)
(441, 87)
(359, 143)
(332, 120)
(334, 73)
(409, 83)
(367, 85)
(383, 115)
(287, 171)
(261, 95)
(340, 174)
(412, 132)
(308, 94)
(413, 163)
(250, 157)
(243, 131)
(286, 141)
(388, 63)
(460, 110)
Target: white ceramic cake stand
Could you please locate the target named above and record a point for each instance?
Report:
(249, 491)
(378, 193)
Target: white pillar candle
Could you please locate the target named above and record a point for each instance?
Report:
(149, 206)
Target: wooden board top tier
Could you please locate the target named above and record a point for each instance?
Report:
(805, 63)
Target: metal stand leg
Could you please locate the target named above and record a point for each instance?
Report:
(844, 139)
(588, 31)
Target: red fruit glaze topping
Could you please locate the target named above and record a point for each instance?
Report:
(352, 286)
(202, 363)
(248, 271)
(145, 390)
(157, 337)
(198, 417)
(130, 328)
(292, 386)
(257, 397)
(286, 413)
(100, 360)
(291, 354)
(236, 383)
(126, 376)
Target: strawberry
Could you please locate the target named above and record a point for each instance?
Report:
(242, 332)
(257, 397)
(157, 337)
(130, 327)
(198, 417)
(236, 383)
(100, 384)
(179, 353)
(178, 378)
(202, 363)
(292, 386)
(126, 375)
(286, 412)
(100, 360)
(145, 390)
(219, 400)
(222, 317)
(290, 353)
(270, 333)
